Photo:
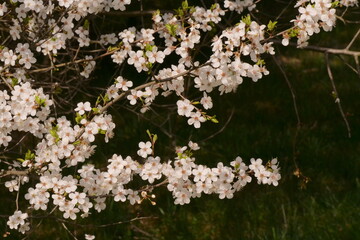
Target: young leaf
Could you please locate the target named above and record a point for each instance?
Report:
(185, 5)
(172, 29)
(246, 19)
(271, 25)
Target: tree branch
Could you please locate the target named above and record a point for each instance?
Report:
(337, 100)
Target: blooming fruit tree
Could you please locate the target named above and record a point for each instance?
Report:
(49, 49)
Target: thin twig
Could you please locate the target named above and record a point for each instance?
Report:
(17, 195)
(103, 225)
(6, 82)
(17, 143)
(353, 40)
(221, 129)
(356, 58)
(336, 94)
(323, 49)
(278, 63)
(63, 224)
(283, 10)
(139, 115)
(292, 91)
(347, 64)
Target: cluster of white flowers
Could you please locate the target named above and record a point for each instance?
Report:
(239, 5)
(313, 16)
(60, 30)
(186, 180)
(26, 110)
(89, 67)
(83, 39)
(349, 3)
(25, 57)
(107, 39)
(17, 221)
(185, 108)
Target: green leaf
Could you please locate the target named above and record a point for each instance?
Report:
(112, 48)
(149, 65)
(148, 133)
(171, 28)
(106, 99)
(157, 12)
(100, 97)
(185, 5)
(335, 4)
(271, 25)
(293, 32)
(13, 3)
(26, 20)
(29, 155)
(40, 101)
(95, 110)
(246, 19)
(260, 62)
(86, 24)
(214, 6)
(53, 132)
(78, 118)
(188, 153)
(179, 12)
(213, 119)
(149, 47)
(14, 81)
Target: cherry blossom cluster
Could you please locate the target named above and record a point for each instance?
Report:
(188, 180)
(76, 196)
(59, 31)
(89, 67)
(239, 6)
(226, 66)
(314, 15)
(25, 109)
(18, 221)
(21, 55)
(178, 34)
(349, 3)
